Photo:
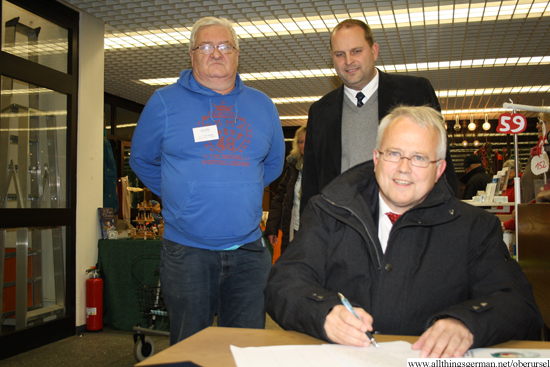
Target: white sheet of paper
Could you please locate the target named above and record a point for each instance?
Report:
(389, 354)
(327, 355)
(283, 355)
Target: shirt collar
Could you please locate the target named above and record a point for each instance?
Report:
(367, 91)
(383, 208)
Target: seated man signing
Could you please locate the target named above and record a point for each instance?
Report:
(440, 271)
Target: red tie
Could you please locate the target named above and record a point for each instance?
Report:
(393, 217)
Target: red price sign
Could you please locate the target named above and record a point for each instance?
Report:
(511, 123)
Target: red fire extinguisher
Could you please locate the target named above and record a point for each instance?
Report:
(94, 301)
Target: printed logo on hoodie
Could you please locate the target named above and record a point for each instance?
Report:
(234, 136)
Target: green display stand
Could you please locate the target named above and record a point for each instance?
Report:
(123, 265)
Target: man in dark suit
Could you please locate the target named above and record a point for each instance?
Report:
(342, 125)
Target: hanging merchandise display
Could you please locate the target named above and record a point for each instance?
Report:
(486, 125)
(457, 126)
(472, 125)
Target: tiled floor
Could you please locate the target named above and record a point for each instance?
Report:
(111, 348)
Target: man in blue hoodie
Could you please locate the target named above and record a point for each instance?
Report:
(208, 145)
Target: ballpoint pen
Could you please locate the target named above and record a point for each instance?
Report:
(347, 305)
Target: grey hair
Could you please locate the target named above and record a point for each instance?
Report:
(423, 116)
(511, 163)
(206, 21)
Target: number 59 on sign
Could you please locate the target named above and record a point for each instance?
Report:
(511, 123)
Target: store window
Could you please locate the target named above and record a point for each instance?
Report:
(34, 38)
(34, 280)
(33, 135)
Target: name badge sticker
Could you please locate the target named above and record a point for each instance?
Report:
(205, 133)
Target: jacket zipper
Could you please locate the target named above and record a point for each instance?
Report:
(364, 226)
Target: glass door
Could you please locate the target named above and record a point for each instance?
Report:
(37, 179)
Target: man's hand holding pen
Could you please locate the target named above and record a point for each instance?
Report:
(446, 338)
(343, 327)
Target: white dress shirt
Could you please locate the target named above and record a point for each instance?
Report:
(367, 91)
(384, 223)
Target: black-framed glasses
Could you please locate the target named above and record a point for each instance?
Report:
(207, 49)
(417, 160)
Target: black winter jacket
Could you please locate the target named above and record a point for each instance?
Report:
(280, 209)
(444, 258)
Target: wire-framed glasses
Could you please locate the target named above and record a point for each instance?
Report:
(417, 160)
(207, 49)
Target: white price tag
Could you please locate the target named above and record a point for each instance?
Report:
(205, 133)
(539, 164)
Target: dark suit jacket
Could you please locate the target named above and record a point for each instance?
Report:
(323, 149)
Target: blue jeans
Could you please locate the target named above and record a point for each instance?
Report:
(198, 283)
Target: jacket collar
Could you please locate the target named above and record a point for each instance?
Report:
(296, 162)
(388, 94)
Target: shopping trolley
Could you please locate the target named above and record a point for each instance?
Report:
(151, 305)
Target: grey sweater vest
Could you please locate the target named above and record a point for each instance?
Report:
(359, 130)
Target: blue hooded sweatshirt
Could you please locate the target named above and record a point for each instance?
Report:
(211, 187)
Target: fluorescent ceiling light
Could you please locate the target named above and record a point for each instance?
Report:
(470, 64)
(451, 114)
(27, 91)
(442, 94)
(513, 61)
(492, 91)
(157, 81)
(33, 112)
(36, 129)
(436, 15)
(42, 47)
(303, 117)
(123, 126)
(472, 111)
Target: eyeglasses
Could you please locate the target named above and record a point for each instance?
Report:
(417, 160)
(207, 49)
